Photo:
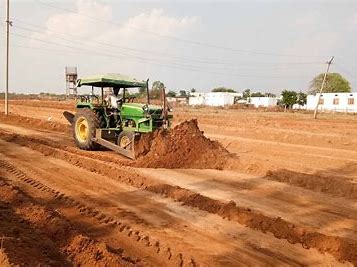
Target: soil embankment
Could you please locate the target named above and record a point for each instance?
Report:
(183, 146)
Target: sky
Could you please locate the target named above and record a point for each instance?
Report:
(267, 46)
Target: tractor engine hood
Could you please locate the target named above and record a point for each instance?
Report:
(138, 109)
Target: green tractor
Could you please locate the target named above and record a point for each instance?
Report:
(116, 119)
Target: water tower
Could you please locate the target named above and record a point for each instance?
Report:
(71, 79)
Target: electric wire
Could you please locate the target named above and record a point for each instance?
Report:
(183, 58)
(192, 42)
(154, 63)
(145, 58)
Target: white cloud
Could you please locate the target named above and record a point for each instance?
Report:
(140, 32)
(157, 21)
(80, 22)
(354, 20)
(308, 19)
(146, 30)
(90, 21)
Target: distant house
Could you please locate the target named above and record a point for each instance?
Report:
(215, 99)
(196, 99)
(338, 102)
(182, 100)
(177, 99)
(171, 99)
(264, 101)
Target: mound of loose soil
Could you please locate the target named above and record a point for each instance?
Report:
(184, 146)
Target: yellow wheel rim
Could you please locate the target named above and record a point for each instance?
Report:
(82, 129)
(124, 142)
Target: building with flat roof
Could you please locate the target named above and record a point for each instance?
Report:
(336, 102)
(214, 99)
(264, 101)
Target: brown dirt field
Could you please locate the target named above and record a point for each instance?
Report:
(36, 235)
(269, 188)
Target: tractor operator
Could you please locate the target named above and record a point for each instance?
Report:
(114, 99)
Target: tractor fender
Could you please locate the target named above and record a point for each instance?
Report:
(69, 116)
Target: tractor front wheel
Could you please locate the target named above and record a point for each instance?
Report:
(126, 140)
(85, 122)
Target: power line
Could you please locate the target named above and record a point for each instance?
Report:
(141, 57)
(350, 61)
(341, 67)
(197, 43)
(154, 63)
(204, 61)
(180, 66)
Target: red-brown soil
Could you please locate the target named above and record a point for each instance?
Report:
(184, 146)
(342, 248)
(62, 105)
(14, 119)
(331, 184)
(287, 200)
(36, 235)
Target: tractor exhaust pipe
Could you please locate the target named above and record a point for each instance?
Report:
(164, 108)
(69, 116)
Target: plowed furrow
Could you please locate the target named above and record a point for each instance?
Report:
(341, 248)
(334, 185)
(127, 232)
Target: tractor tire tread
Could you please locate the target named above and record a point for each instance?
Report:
(93, 123)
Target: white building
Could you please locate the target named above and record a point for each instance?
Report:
(337, 102)
(299, 107)
(263, 101)
(196, 99)
(214, 98)
(177, 99)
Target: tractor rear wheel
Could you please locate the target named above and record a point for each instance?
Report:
(126, 140)
(85, 122)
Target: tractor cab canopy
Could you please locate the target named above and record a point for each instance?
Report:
(117, 82)
(112, 80)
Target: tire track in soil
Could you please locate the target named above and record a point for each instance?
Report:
(342, 249)
(18, 235)
(61, 243)
(128, 233)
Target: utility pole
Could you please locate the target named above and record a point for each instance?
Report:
(322, 86)
(8, 24)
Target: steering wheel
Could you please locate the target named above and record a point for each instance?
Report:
(120, 100)
(96, 98)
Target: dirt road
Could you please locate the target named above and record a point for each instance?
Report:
(142, 216)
